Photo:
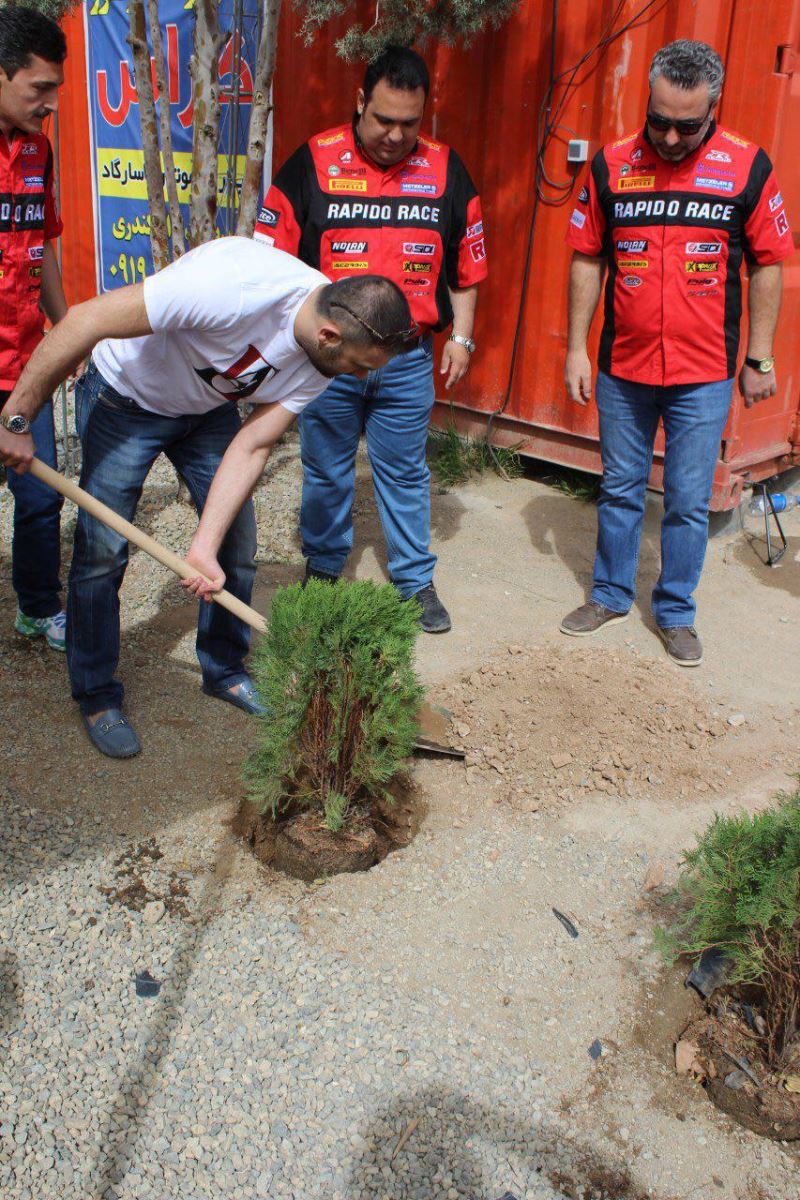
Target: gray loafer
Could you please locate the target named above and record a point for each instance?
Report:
(243, 696)
(113, 735)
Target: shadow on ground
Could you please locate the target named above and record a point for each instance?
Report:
(446, 1118)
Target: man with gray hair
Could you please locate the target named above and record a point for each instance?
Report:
(670, 211)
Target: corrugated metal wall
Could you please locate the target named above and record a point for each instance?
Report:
(486, 102)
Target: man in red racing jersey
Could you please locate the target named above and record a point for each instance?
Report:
(32, 49)
(670, 211)
(374, 195)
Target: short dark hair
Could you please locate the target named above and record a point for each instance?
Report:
(401, 67)
(373, 300)
(24, 31)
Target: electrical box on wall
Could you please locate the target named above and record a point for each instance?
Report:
(577, 150)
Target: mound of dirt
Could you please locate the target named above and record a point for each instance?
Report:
(543, 726)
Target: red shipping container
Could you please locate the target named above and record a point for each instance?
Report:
(487, 102)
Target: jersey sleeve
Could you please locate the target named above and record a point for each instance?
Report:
(53, 225)
(767, 233)
(465, 253)
(587, 225)
(202, 290)
(285, 209)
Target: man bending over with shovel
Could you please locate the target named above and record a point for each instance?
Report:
(232, 320)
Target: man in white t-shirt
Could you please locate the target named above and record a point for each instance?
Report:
(232, 320)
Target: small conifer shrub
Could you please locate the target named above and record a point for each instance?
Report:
(335, 672)
(740, 889)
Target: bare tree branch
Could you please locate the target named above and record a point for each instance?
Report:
(259, 119)
(154, 179)
(204, 68)
(165, 126)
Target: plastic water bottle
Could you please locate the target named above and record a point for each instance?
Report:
(780, 502)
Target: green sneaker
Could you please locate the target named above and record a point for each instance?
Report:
(52, 629)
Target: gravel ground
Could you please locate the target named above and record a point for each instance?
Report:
(300, 1030)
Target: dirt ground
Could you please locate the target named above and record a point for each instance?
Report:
(599, 758)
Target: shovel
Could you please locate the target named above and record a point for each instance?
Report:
(433, 730)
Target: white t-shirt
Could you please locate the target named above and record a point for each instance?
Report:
(223, 329)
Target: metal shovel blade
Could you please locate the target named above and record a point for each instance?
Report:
(434, 732)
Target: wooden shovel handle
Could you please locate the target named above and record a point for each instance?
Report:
(103, 513)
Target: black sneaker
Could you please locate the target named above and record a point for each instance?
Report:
(434, 618)
(313, 573)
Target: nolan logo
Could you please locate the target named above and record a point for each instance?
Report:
(632, 246)
(349, 247)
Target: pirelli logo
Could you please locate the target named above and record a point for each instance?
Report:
(633, 264)
(350, 264)
(699, 268)
(416, 268)
(636, 183)
(347, 185)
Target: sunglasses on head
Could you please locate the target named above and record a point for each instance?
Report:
(683, 128)
(404, 335)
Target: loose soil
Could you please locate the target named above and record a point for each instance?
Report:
(300, 845)
(722, 1036)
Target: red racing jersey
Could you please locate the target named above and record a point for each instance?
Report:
(418, 223)
(28, 219)
(674, 235)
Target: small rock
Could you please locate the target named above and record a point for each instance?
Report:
(736, 719)
(153, 911)
(654, 877)
(736, 1080)
(561, 760)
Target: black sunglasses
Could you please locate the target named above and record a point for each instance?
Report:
(683, 128)
(404, 335)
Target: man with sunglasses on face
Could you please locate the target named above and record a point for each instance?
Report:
(670, 211)
(375, 195)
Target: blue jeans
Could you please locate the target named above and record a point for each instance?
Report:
(36, 548)
(121, 441)
(694, 417)
(392, 407)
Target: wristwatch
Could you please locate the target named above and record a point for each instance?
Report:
(463, 341)
(763, 365)
(15, 423)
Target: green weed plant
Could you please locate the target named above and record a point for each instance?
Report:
(455, 458)
(335, 672)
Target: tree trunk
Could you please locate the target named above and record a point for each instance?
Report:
(259, 119)
(165, 126)
(137, 38)
(204, 69)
